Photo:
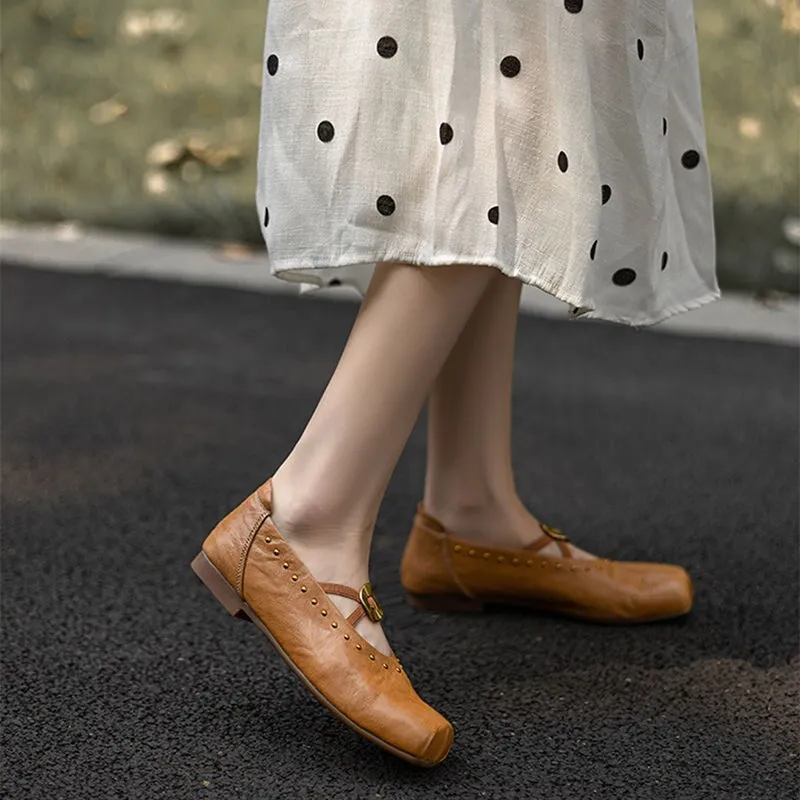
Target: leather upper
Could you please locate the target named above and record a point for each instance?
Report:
(365, 685)
(436, 562)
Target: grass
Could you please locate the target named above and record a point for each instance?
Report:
(84, 99)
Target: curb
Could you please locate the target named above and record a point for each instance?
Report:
(72, 248)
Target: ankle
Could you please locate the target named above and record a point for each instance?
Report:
(490, 522)
(301, 512)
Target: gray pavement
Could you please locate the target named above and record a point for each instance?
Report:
(137, 412)
(73, 248)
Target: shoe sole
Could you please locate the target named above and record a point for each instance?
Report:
(216, 583)
(438, 603)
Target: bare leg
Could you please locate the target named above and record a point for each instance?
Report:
(327, 493)
(469, 483)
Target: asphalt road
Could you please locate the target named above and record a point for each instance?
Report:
(136, 413)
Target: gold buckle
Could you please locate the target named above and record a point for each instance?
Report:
(554, 533)
(370, 603)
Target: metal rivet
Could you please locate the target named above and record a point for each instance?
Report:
(267, 539)
(371, 657)
(347, 637)
(558, 565)
(313, 601)
(358, 647)
(457, 548)
(276, 551)
(515, 561)
(529, 562)
(334, 624)
(397, 668)
(303, 589)
(286, 565)
(487, 555)
(574, 569)
(324, 612)
(471, 553)
(294, 577)
(501, 558)
(386, 666)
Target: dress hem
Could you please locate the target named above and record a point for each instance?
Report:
(578, 305)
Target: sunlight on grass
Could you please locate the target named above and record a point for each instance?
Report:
(91, 90)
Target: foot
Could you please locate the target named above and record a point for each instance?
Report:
(464, 562)
(332, 555)
(508, 524)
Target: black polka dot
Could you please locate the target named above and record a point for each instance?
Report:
(266, 217)
(563, 161)
(334, 282)
(664, 125)
(272, 64)
(445, 133)
(573, 6)
(510, 66)
(640, 49)
(593, 250)
(325, 131)
(624, 277)
(494, 215)
(605, 193)
(386, 205)
(387, 46)
(690, 159)
(664, 259)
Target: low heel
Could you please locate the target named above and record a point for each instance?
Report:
(215, 582)
(444, 602)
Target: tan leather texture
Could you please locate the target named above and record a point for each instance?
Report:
(437, 566)
(367, 687)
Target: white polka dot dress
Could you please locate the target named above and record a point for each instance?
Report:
(559, 141)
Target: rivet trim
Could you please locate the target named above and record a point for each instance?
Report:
(347, 637)
(286, 565)
(358, 647)
(371, 657)
(334, 624)
(276, 552)
(324, 612)
(304, 589)
(501, 558)
(386, 666)
(313, 601)
(267, 539)
(515, 561)
(471, 553)
(294, 577)
(487, 555)
(457, 548)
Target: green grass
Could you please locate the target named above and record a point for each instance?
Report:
(62, 57)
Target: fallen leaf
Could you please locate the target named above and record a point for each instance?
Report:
(107, 111)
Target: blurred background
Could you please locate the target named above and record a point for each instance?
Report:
(143, 116)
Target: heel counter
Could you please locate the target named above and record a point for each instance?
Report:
(229, 542)
(423, 569)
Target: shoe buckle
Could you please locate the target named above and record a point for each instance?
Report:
(371, 605)
(555, 533)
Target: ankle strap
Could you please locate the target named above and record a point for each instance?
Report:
(365, 597)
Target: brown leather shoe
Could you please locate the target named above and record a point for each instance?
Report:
(444, 573)
(254, 573)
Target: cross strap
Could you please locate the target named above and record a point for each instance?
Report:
(551, 535)
(368, 605)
